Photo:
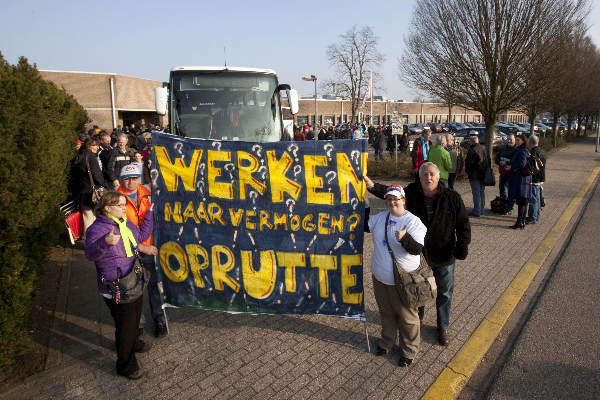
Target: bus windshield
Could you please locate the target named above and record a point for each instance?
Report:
(226, 105)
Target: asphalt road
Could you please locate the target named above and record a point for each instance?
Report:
(557, 354)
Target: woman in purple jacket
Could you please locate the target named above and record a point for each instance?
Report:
(110, 243)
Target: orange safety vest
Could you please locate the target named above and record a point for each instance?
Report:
(136, 214)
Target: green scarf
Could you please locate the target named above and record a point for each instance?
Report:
(126, 234)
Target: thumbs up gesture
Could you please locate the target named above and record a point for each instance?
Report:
(113, 237)
(400, 233)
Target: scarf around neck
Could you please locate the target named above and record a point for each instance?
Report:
(126, 234)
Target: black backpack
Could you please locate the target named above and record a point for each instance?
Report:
(533, 166)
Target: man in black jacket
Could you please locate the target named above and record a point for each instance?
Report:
(448, 234)
(537, 180)
(119, 157)
(475, 164)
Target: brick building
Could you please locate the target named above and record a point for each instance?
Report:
(332, 112)
(110, 99)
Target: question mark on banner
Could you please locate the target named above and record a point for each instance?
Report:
(290, 203)
(217, 145)
(294, 149)
(328, 149)
(355, 155)
(330, 177)
(200, 187)
(179, 146)
(202, 167)
(354, 203)
(297, 170)
(253, 195)
(354, 217)
(293, 236)
(263, 172)
(154, 176)
(229, 167)
(180, 233)
(257, 149)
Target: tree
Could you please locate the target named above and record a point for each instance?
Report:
(353, 58)
(481, 50)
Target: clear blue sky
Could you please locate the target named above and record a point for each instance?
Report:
(146, 38)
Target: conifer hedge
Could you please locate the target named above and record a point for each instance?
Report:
(38, 128)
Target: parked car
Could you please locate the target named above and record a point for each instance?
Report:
(415, 129)
(463, 134)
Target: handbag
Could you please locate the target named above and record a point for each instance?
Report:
(129, 288)
(416, 288)
(97, 191)
(489, 179)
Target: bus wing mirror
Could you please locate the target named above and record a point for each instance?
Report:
(160, 100)
(292, 96)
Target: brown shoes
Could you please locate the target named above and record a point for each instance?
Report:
(443, 337)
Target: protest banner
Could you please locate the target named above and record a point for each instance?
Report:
(260, 227)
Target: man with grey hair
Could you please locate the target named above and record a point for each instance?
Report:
(119, 157)
(440, 157)
(448, 234)
(537, 180)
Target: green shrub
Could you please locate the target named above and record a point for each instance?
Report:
(387, 168)
(38, 127)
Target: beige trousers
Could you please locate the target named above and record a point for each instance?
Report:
(397, 318)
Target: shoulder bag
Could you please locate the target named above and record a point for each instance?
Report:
(129, 288)
(416, 288)
(97, 191)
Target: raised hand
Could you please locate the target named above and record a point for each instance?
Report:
(400, 233)
(113, 237)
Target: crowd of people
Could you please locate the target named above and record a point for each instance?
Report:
(425, 222)
(380, 137)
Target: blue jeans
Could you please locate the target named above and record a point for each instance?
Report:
(534, 204)
(153, 294)
(444, 279)
(503, 185)
(478, 190)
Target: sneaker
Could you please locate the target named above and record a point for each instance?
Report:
(160, 330)
(404, 362)
(443, 337)
(141, 346)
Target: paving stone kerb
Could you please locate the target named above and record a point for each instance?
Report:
(219, 355)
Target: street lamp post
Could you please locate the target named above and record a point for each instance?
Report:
(313, 79)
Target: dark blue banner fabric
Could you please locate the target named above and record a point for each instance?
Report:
(260, 227)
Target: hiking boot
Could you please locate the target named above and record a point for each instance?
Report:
(134, 376)
(443, 337)
(380, 351)
(160, 331)
(141, 346)
(404, 362)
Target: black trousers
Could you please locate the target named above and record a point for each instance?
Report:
(127, 319)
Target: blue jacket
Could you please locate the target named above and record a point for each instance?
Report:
(519, 186)
(109, 258)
